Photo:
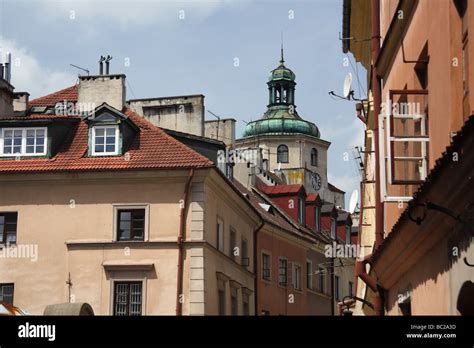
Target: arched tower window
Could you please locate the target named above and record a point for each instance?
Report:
(282, 154)
(314, 157)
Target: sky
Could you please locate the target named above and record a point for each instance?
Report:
(224, 49)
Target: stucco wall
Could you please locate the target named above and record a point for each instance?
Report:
(71, 220)
(179, 113)
(281, 300)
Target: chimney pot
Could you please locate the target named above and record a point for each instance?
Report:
(8, 64)
(101, 65)
(107, 64)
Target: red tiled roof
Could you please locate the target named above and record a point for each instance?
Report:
(275, 218)
(281, 189)
(152, 148)
(312, 196)
(69, 94)
(40, 117)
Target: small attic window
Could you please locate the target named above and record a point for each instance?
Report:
(105, 140)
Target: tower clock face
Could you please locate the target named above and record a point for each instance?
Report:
(316, 181)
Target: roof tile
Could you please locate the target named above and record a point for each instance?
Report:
(69, 94)
(152, 148)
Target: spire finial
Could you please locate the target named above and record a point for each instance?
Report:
(282, 60)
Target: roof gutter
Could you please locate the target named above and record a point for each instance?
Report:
(180, 241)
(346, 26)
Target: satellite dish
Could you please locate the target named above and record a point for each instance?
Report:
(347, 86)
(354, 201)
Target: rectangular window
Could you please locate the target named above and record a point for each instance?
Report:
(348, 234)
(301, 210)
(407, 139)
(317, 218)
(23, 141)
(245, 253)
(6, 293)
(351, 289)
(333, 228)
(282, 272)
(221, 295)
(309, 274)
(234, 303)
(322, 287)
(105, 140)
(297, 277)
(131, 224)
(220, 235)
(246, 304)
(127, 298)
(232, 244)
(337, 288)
(8, 225)
(266, 267)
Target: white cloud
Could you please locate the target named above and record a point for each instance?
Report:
(137, 13)
(30, 75)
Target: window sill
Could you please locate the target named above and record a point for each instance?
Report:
(130, 241)
(109, 242)
(22, 157)
(105, 155)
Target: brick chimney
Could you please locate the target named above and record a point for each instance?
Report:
(95, 90)
(20, 101)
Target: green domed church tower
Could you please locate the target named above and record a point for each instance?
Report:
(289, 146)
(281, 114)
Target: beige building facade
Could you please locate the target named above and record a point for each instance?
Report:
(152, 229)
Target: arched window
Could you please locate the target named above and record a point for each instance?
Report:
(282, 154)
(314, 157)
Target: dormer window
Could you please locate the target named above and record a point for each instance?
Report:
(111, 132)
(105, 140)
(23, 141)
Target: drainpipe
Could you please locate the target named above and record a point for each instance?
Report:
(377, 93)
(362, 274)
(255, 269)
(361, 215)
(180, 241)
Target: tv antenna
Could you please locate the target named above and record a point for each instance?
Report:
(78, 67)
(218, 122)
